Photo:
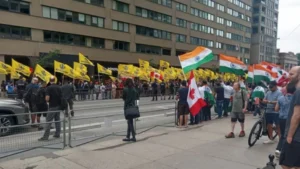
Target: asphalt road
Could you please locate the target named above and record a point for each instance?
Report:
(93, 119)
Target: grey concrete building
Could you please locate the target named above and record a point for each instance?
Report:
(288, 60)
(122, 31)
(264, 31)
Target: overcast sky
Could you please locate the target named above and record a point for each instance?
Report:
(289, 19)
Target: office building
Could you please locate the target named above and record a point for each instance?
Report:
(264, 31)
(288, 60)
(122, 31)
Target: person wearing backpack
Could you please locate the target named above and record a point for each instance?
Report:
(42, 105)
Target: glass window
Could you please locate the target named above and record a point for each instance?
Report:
(97, 42)
(153, 15)
(81, 18)
(61, 15)
(88, 20)
(120, 26)
(100, 22)
(120, 6)
(120, 45)
(24, 7)
(54, 13)
(4, 5)
(94, 21)
(69, 16)
(46, 12)
(14, 6)
(181, 38)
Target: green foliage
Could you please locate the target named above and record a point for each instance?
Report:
(47, 60)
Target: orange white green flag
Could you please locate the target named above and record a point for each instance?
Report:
(230, 64)
(194, 59)
(263, 74)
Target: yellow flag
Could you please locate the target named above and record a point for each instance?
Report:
(68, 71)
(144, 64)
(136, 71)
(14, 74)
(170, 73)
(3, 71)
(84, 60)
(125, 70)
(59, 67)
(144, 76)
(113, 78)
(103, 70)
(81, 76)
(21, 68)
(43, 74)
(164, 64)
(80, 67)
(5, 67)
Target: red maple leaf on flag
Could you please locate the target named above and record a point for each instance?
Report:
(192, 94)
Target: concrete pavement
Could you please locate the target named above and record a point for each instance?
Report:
(160, 148)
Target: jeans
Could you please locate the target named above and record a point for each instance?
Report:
(130, 128)
(206, 111)
(91, 94)
(49, 118)
(257, 110)
(195, 119)
(154, 94)
(282, 123)
(70, 104)
(226, 106)
(219, 107)
(108, 94)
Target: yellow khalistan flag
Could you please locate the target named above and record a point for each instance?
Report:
(144, 64)
(43, 74)
(125, 70)
(164, 64)
(136, 71)
(84, 60)
(21, 68)
(68, 71)
(81, 76)
(14, 74)
(80, 67)
(59, 67)
(103, 70)
(5, 67)
(3, 71)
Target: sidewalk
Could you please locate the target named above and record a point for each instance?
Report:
(160, 148)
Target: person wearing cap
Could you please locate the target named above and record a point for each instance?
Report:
(272, 117)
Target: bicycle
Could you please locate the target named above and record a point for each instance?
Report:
(259, 129)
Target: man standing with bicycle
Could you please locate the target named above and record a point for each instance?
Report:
(272, 117)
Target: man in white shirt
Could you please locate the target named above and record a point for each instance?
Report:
(228, 91)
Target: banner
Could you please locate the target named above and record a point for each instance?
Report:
(80, 67)
(3, 71)
(81, 76)
(144, 64)
(101, 69)
(68, 71)
(43, 74)
(125, 70)
(5, 67)
(84, 60)
(164, 64)
(136, 72)
(59, 67)
(21, 68)
(14, 74)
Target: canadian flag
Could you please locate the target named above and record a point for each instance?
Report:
(156, 75)
(195, 101)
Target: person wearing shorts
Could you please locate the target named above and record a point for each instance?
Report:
(239, 107)
(183, 107)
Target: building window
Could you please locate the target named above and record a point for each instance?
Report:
(202, 14)
(220, 20)
(181, 7)
(220, 7)
(145, 13)
(120, 45)
(65, 38)
(154, 50)
(229, 23)
(120, 26)
(156, 33)
(209, 3)
(247, 40)
(220, 33)
(237, 37)
(167, 3)
(120, 6)
(15, 6)
(98, 43)
(228, 35)
(74, 17)
(180, 52)
(15, 32)
(166, 52)
(202, 42)
(202, 28)
(93, 2)
(231, 47)
(219, 45)
(180, 38)
(181, 22)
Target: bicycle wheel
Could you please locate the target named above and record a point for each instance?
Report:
(255, 133)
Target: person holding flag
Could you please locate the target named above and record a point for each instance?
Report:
(183, 107)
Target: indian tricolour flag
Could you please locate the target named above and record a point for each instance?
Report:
(230, 64)
(262, 74)
(193, 60)
(250, 77)
(258, 92)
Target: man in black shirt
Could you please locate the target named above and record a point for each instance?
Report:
(21, 87)
(163, 90)
(54, 98)
(172, 90)
(219, 91)
(68, 94)
(154, 89)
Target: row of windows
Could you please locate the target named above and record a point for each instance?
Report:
(221, 7)
(181, 7)
(167, 3)
(238, 26)
(180, 38)
(15, 32)
(240, 4)
(202, 14)
(120, 26)
(74, 17)
(220, 20)
(181, 22)
(209, 3)
(220, 33)
(145, 13)
(238, 14)
(202, 28)
(155, 50)
(120, 6)
(234, 36)
(93, 2)
(202, 42)
(140, 30)
(15, 6)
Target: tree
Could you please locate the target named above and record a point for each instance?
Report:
(47, 60)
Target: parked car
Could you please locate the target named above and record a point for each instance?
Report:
(12, 112)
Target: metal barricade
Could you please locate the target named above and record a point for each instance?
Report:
(25, 136)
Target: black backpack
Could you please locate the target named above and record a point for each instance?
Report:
(34, 96)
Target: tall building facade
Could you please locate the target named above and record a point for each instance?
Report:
(122, 31)
(264, 31)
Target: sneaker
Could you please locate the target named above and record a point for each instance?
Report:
(269, 142)
(230, 135)
(43, 139)
(56, 136)
(126, 139)
(277, 153)
(242, 134)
